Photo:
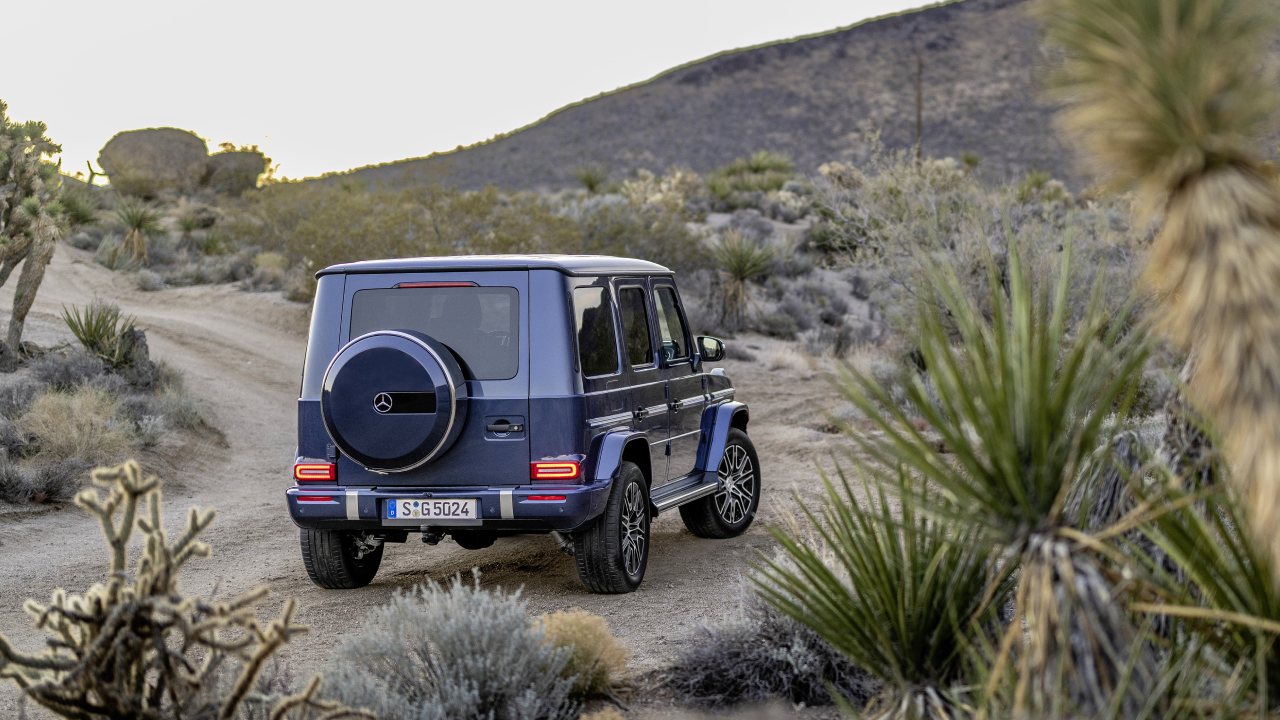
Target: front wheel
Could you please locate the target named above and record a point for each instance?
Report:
(613, 552)
(729, 512)
(340, 560)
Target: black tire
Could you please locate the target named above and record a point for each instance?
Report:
(330, 559)
(730, 512)
(613, 552)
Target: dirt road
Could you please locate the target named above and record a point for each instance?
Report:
(242, 353)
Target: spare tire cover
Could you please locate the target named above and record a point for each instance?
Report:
(393, 400)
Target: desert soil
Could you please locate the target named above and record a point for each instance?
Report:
(241, 354)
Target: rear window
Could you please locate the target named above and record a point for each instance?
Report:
(597, 339)
(480, 324)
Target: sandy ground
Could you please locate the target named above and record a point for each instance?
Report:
(242, 355)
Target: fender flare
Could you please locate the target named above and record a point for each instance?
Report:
(610, 448)
(716, 423)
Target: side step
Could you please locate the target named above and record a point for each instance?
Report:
(686, 489)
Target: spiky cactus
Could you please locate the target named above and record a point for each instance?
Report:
(31, 219)
(1171, 97)
(133, 645)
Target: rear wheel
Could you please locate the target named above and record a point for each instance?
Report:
(340, 559)
(729, 512)
(613, 552)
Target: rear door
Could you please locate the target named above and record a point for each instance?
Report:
(640, 358)
(483, 318)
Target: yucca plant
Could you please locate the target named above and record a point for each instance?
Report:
(140, 222)
(898, 593)
(592, 178)
(1171, 97)
(1214, 581)
(103, 330)
(740, 261)
(1019, 413)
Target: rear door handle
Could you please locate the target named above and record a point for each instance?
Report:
(677, 404)
(641, 413)
(503, 427)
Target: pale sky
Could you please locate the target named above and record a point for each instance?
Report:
(325, 86)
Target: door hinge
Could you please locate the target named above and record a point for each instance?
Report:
(667, 452)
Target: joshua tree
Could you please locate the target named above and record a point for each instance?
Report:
(31, 219)
(1170, 98)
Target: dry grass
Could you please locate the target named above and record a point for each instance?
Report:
(596, 657)
(81, 424)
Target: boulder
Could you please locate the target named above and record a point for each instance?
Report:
(233, 172)
(138, 369)
(145, 163)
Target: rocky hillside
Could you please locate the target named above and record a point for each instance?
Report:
(815, 98)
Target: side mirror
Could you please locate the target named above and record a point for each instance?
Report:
(710, 349)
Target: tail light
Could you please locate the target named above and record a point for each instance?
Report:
(434, 284)
(546, 498)
(315, 472)
(555, 470)
(315, 498)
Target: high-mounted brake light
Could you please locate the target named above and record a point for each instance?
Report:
(546, 498)
(315, 498)
(315, 472)
(555, 470)
(434, 284)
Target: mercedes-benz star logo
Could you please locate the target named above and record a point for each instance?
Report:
(382, 402)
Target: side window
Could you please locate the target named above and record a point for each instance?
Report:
(597, 339)
(671, 331)
(635, 326)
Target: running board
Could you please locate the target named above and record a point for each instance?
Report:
(687, 489)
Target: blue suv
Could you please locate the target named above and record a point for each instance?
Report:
(481, 396)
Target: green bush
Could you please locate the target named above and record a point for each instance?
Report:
(103, 330)
(737, 184)
(140, 222)
(898, 593)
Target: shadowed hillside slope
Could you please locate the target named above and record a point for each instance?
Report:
(815, 98)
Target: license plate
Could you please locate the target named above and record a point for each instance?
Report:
(419, 509)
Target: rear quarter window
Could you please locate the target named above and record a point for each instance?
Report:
(481, 325)
(597, 338)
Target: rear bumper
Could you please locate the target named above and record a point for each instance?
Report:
(506, 508)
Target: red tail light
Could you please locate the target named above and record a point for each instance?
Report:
(555, 470)
(315, 498)
(546, 498)
(315, 472)
(434, 284)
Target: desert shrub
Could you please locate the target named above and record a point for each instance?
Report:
(764, 655)
(85, 240)
(148, 281)
(596, 658)
(67, 370)
(679, 191)
(79, 205)
(656, 231)
(270, 270)
(134, 645)
(57, 479)
(15, 483)
(455, 652)
(899, 217)
(606, 713)
(16, 441)
(113, 255)
(591, 177)
(80, 424)
(776, 324)
(17, 393)
(743, 182)
(102, 329)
